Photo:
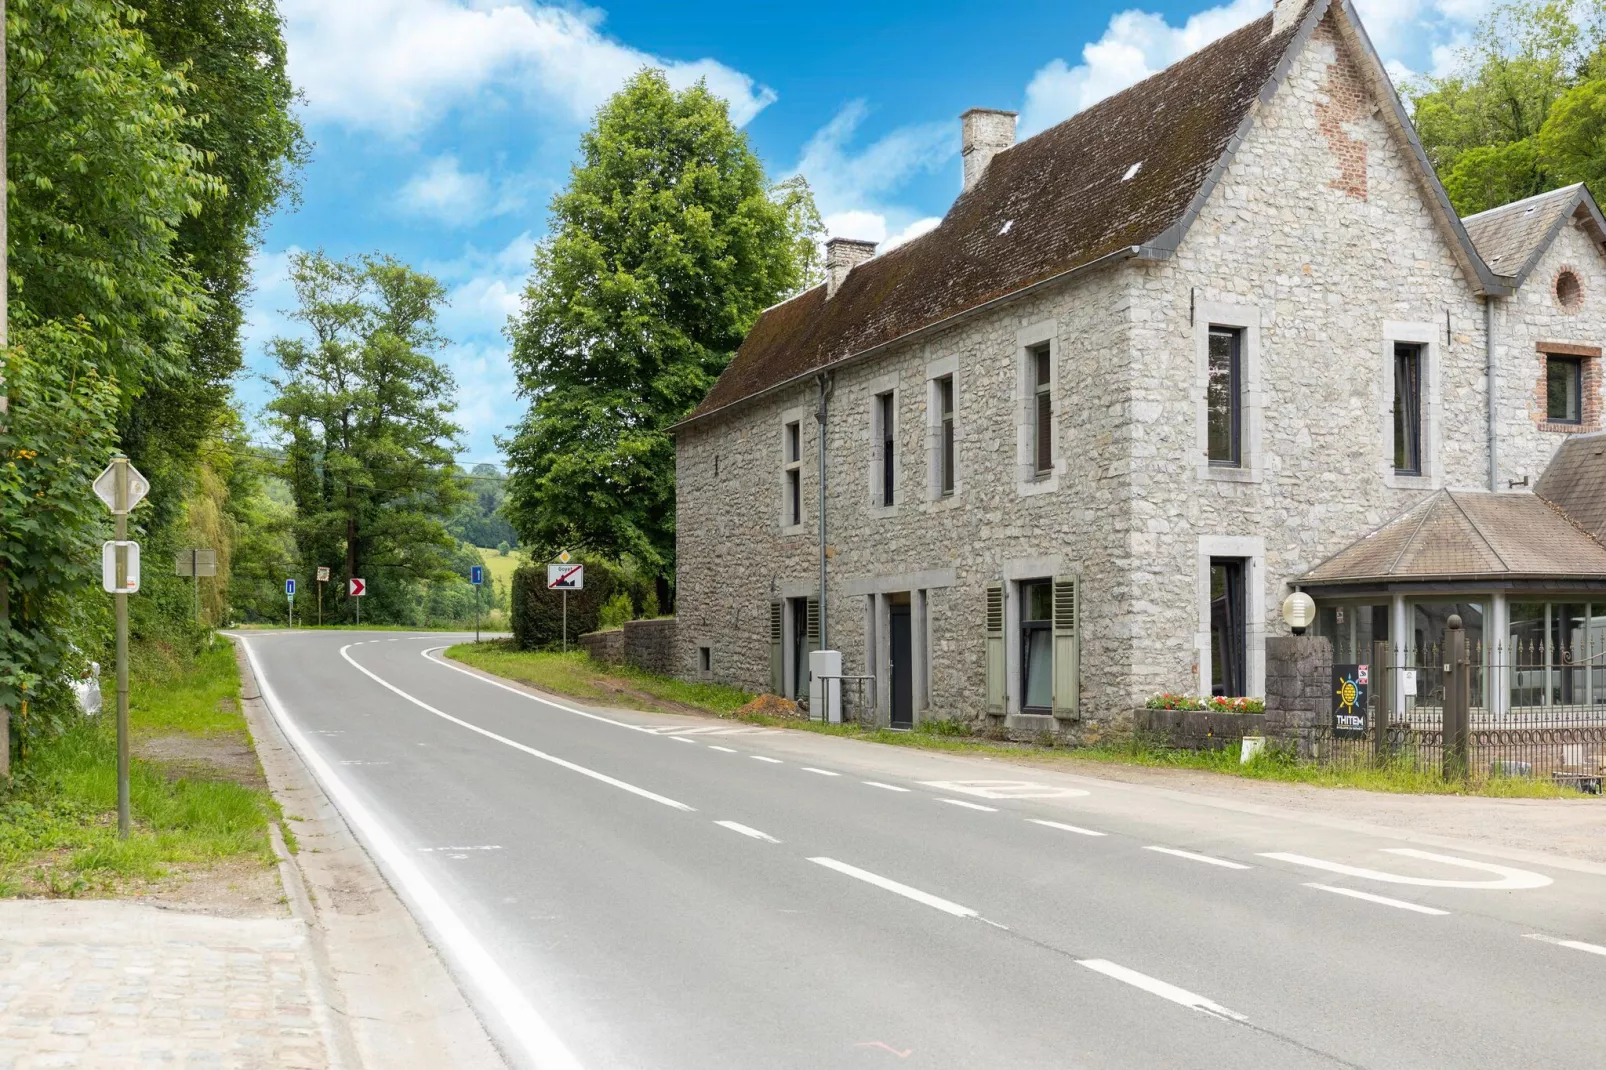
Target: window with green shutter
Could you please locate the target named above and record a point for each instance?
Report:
(997, 673)
(777, 663)
(1067, 648)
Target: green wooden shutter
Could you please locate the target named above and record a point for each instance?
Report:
(1067, 648)
(777, 661)
(997, 690)
(813, 624)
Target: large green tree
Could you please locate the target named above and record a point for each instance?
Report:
(666, 245)
(364, 410)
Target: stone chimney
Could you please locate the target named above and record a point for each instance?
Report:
(984, 133)
(841, 256)
(1284, 13)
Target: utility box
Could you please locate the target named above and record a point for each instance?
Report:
(825, 685)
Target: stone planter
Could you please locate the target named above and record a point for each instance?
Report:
(1198, 729)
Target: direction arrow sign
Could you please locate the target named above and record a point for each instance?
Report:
(357, 588)
(477, 575)
(565, 577)
(289, 588)
(106, 488)
(127, 582)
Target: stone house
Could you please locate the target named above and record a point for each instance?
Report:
(1075, 445)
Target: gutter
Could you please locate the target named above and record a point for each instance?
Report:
(1492, 383)
(826, 385)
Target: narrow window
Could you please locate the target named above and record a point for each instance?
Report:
(792, 506)
(1037, 645)
(1564, 389)
(1229, 649)
(705, 661)
(1224, 397)
(1042, 410)
(945, 444)
(1408, 408)
(884, 414)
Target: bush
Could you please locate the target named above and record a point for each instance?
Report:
(502, 548)
(538, 612)
(617, 610)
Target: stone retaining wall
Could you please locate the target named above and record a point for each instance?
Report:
(648, 645)
(606, 646)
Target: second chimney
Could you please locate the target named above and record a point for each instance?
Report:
(841, 256)
(984, 133)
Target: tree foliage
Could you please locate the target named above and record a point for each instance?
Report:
(665, 246)
(363, 408)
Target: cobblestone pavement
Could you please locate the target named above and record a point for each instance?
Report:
(124, 985)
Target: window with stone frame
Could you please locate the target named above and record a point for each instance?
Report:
(1564, 388)
(885, 427)
(1408, 361)
(792, 443)
(1567, 389)
(1041, 370)
(945, 436)
(1224, 398)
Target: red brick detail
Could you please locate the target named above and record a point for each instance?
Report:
(1590, 385)
(1343, 100)
(1577, 303)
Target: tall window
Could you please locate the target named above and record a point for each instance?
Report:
(1037, 645)
(1224, 397)
(1408, 408)
(1229, 635)
(1042, 410)
(792, 507)
(884, 427)
(1564, 390)
(945, 435)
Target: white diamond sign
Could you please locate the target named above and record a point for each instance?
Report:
(106, 488)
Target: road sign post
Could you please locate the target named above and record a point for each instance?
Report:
(356, 588)
(121, 487)
(323, 578)
(476, 576)
(195, 563)
(562, 576)
(290, 600)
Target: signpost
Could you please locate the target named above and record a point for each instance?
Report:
(476, 576)
(565, 577)
(121, 487)
(1352, 685)
(323, 578)
(356, 589)
(290, 599)
(196, 563)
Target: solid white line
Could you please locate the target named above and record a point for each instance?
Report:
(1065, 828)
(822, 772)
(526, 694)
(1385, 900)
(735, 826)
(1576, 945)
(893, 886)
(727, 750)
(529, 1028)
(1160, 988)
(772, 761)
(884, 787)
(970, 805)
(677, 739)
(1222, 862)
(554, 759)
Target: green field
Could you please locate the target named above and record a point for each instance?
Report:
(501, 568)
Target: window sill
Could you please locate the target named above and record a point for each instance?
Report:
(1402, 481)
(1222, 474)
(793, 529)
(1036, 484)
(1562, 427)
(947, 501)
(884, 512)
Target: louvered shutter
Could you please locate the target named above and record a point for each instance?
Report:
(1067, 648)
(813, 624)
(777, 661)
(996, 671)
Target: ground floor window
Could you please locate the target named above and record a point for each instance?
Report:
(1353, 629)
(1554, 650)
(1229, 634)
(1037, 645)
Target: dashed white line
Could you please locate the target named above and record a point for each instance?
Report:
(884, 787)
(772, 761)
(1207, 859)
(677, 739)
(745, 830)
(1383, 899)
(1576, 945)
(969, 805)
(484, 847)
(822, 772)
(944, 905)
(727, 750)
(1164, 990)
(1065, 828)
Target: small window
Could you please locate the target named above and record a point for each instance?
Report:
(792, 452)
(884, 427)
(1229, 648)
(1042, 409)
(794, 498)
(1224, 397)
(794, 443)
(1408, 408)
(705, 662)
(945, 443)
(1564, 389)
(1569, 289)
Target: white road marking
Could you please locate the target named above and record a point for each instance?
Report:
(1576, 945)
(533, 698)
(356, 761)
(677, 739)
(1385, 900)
(1154, 986)
(893, 886)
(1004, 789)
(1064, 827)
(969, 805)
(884, 787)
(727, 750)
(693, 730)
(736, 826)
(554, 759)
(772, 761)
(523, 1023)
(486, 847)
(1511, 880)
(1207, 859)
(822, 772)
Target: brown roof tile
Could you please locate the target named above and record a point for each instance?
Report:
(1575, 482)
(1511, 237)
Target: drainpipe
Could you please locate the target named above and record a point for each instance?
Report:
(1494, 395)
(825, 384)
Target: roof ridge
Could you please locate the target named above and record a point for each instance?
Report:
(1426, 505)
(1498, 556)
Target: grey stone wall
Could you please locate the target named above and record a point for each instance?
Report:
(1199, 729)
(650, 645)
(1299, 685)
(607, 645)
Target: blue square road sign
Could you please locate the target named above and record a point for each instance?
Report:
(289, 588)
(478, 574)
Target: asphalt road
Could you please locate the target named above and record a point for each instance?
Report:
(640, 890)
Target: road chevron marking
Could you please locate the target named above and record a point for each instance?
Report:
(1160, 988)
(1510, 879)
(488, 734)
(944, 905)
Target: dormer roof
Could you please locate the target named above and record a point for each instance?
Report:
(1513, 237)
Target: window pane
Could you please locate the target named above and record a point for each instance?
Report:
(1408, 409)
(1567, 653)
(945, 395)
(1038, 650)
(1562, 389)
(794, 487)
(1222, 398)
(1044, 431)
(1037, 601)
(1525, 653)
(1228, 636)
(947, 454)
(1040, 366)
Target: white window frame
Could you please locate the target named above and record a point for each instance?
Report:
(885, 384)
(1252, 549)
(1428, 336)
(793, 416)
(947, 367)
(1245, 319)
(1027, 479)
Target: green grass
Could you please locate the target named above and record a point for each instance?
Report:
(502, 568)
(576, 675)
(58, 823)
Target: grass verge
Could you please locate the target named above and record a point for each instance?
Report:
(576, 675)
(58, 823)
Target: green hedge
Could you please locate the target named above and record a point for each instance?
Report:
(538, 612)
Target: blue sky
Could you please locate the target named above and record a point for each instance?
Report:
(443, 127)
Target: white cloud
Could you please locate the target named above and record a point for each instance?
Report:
(394, 65)
(444, 191)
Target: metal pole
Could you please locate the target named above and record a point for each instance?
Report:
(565, 622)
(320, 603)
(120, 600)
(1457, 697)
(195, 571)
(820, 415)
(476, 612)
(1383, 689)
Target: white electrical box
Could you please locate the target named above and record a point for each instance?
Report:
(825, 685)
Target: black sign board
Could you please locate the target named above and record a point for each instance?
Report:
(1351, 687)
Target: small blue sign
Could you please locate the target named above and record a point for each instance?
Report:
(478, 575)
(289, 588)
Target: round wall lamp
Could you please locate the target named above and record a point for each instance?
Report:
(1299, 611)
